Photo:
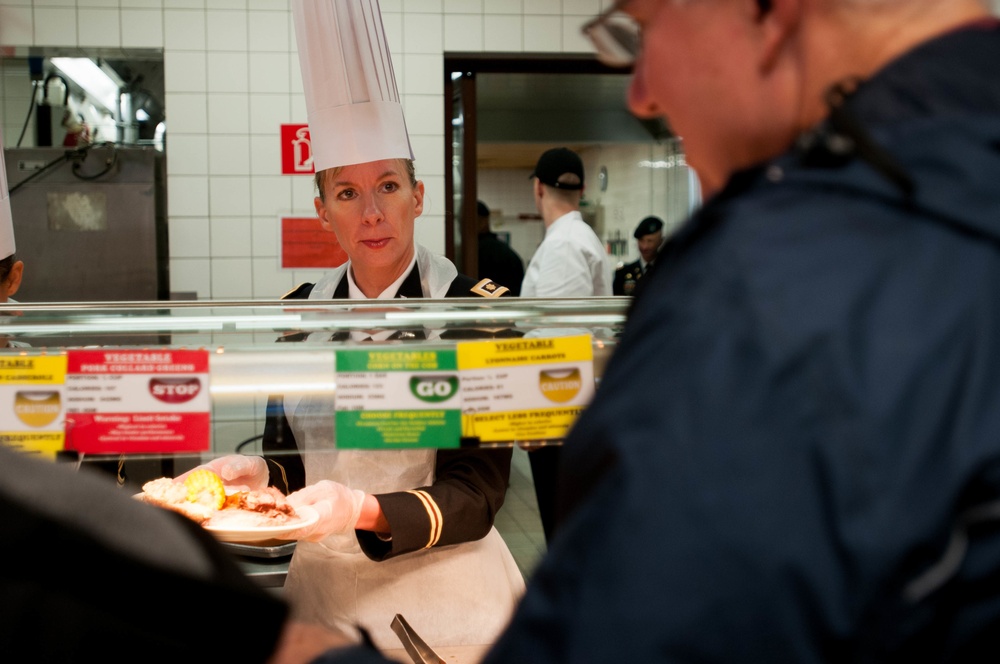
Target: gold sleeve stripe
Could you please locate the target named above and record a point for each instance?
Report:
(433, 514)
(487, 288)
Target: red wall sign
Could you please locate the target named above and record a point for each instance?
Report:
(306, 244)
(296, 150)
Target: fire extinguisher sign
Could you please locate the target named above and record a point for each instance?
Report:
(296, 150)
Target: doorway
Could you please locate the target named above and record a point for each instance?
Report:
(506, 110)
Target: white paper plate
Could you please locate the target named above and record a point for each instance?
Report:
(307, 517)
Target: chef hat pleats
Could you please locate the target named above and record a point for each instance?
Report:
(6, 220)
(355, 115)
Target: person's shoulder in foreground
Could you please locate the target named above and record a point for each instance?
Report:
(797, 419)
(104, 575)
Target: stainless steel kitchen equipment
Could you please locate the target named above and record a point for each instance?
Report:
(90, 223)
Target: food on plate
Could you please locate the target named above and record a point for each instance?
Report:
(202, 497)
(205, 488)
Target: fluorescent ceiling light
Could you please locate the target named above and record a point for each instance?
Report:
(94, 80)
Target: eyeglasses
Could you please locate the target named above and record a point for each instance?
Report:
(615, 36)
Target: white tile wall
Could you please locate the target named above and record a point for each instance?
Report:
(229, 155)
(55, 25)
(99, 27)
(463, 32)
(142, 28)
(232, 76)
(188, 154)
(228, 113)
(183, 30)
(189, 237)
(230, 237)
(226, 30)
(232, 278)
(184, 71)
(17, 27)
(503, 33)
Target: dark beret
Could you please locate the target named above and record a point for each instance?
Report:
(647, 226)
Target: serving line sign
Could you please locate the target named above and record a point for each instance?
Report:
(31, 403)
(509, 390)
(152, 401)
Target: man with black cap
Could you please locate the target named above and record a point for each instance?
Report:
(649, 233)
(571, 261)
(497, 260)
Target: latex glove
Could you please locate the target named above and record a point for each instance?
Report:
(339, 508)
(238, 472)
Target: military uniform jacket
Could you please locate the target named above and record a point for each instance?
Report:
(794, 455)
(627, 278)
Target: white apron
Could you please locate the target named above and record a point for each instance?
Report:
(462, 594)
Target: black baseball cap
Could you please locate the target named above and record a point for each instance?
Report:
(481, 209)
(648, 226)
(555, 163)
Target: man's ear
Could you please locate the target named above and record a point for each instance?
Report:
(779, 20)
(14, 278)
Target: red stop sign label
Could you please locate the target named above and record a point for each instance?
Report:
(174, 390)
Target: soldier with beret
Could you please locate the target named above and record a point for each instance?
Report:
(649, 233)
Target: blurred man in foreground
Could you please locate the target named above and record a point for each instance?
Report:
(793, 454)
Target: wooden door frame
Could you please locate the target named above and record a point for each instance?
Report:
(471, 64)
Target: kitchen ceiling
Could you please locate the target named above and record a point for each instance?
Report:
(520, 115)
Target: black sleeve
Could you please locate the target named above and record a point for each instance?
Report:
(469, 488)
(618, 286)
(284, 461)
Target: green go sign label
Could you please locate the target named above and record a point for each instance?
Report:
(434, 389)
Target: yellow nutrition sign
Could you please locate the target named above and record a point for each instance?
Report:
(32, 412)
(524, 389)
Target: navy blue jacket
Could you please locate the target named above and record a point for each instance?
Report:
(819, 410)
(810, 468)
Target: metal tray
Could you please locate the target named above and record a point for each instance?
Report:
(279, 549)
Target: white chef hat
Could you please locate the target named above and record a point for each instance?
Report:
(6, 220)
(354, 111)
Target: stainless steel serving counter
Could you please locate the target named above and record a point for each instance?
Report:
(265, 562)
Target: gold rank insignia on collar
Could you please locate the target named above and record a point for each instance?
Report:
(488, 288)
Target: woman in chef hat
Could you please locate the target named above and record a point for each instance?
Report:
(408, 531)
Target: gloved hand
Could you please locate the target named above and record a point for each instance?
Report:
(238, 472)
(338, 506)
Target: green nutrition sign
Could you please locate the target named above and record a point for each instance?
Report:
(397, 399)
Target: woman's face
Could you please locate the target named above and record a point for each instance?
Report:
(371, 208)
